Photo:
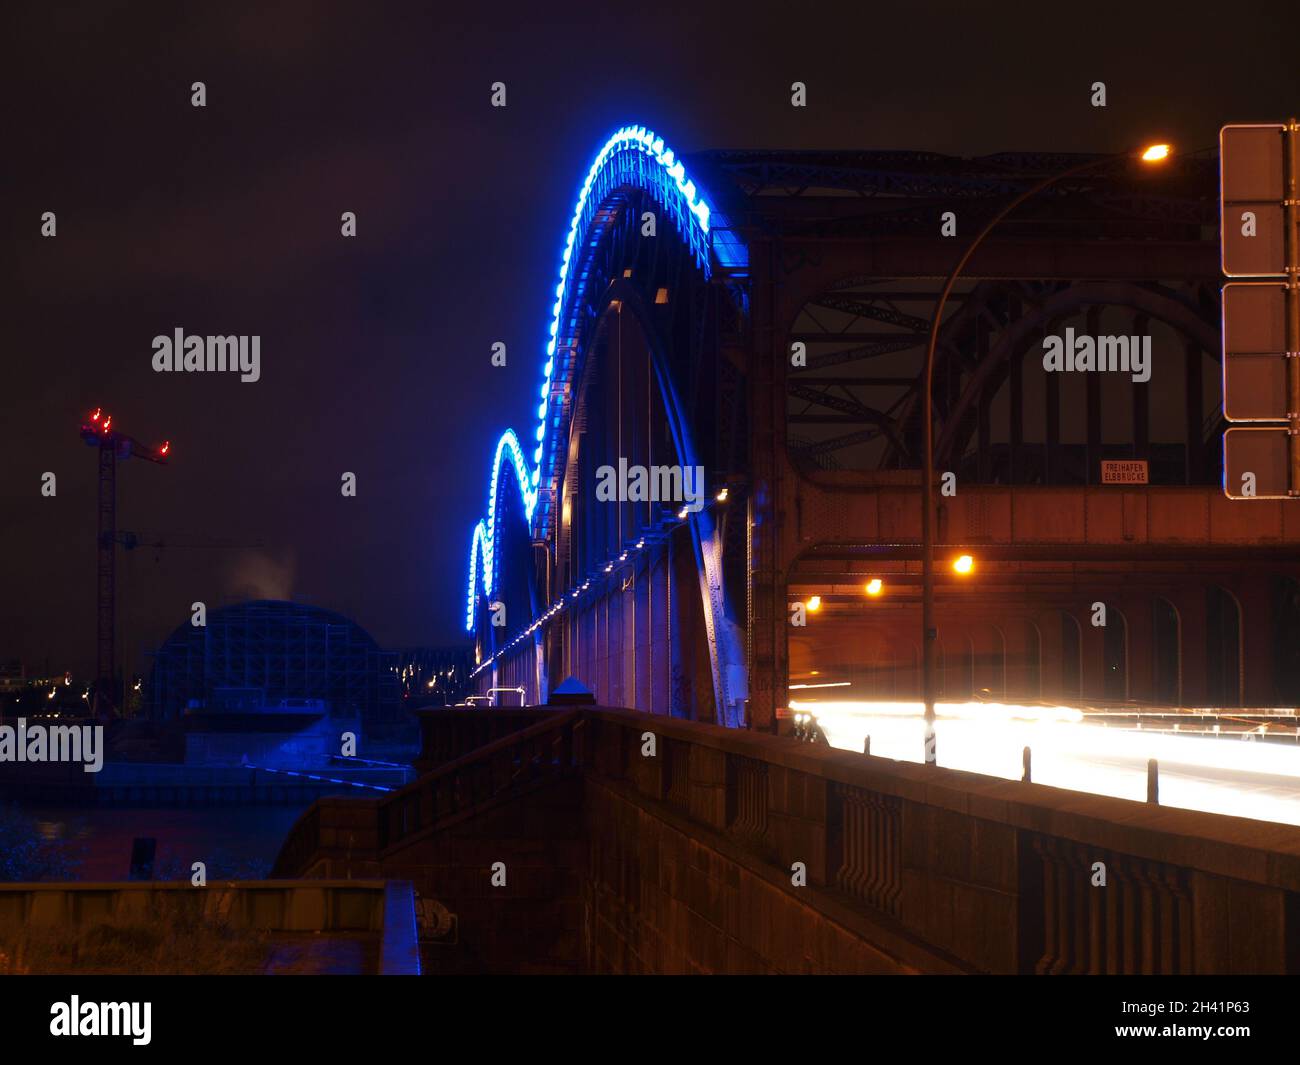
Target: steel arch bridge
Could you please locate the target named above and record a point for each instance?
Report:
(650, 307)
(768, 330)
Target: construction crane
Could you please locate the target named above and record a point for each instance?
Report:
(114, 446)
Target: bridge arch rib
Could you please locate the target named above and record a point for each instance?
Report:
(603, 249)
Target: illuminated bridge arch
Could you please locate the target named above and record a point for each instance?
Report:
(603, 263)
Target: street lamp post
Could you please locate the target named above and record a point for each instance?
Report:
(1153, 154)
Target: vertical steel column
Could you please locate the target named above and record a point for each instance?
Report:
(984, 431)
(106, 582)
(1142, 398)
(1016, 415)
(1291, 238)
(765, 630)
(1052, 426)
(674, 629)
(660, 631)
(1194, 459)
(1092, 386)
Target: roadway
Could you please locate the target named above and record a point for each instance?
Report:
(1231, 771)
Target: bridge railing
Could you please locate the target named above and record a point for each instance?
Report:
(446, 733)
(995, 875)
(517, 761)
(363, 829)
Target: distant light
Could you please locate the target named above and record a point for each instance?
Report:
(167, 446)
(721, 497)
(963, 564)
(94, 417)
(1157, 153)
(681, 514)
(814, 604)
(828, 684)
(875, 586)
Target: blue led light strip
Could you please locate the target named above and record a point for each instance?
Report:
(623, 159)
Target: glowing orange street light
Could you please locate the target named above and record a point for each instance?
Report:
(814, 604)
(875, 586)
(1157, 153)
(963, 564)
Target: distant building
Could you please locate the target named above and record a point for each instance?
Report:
(13, 677)
(433, 675)
(274, 651)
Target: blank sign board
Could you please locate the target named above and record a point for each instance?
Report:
(1255, 459)
(1250, 173)
(1254, 352)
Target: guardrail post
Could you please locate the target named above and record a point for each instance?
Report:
(1153, 781)
(1026, 759)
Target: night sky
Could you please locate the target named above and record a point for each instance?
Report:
(375, 350)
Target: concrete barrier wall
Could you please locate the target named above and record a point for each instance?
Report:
(342, 907)
(275, 905)
(984, 874)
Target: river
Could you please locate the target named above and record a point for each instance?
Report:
(232, 841)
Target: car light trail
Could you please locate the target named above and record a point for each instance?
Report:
(1225, 773)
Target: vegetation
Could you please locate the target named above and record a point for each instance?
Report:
(185, 944)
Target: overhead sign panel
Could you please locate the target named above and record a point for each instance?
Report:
(1259, 233)
(1254, 352)
(1256, 462)
(1253, 222)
